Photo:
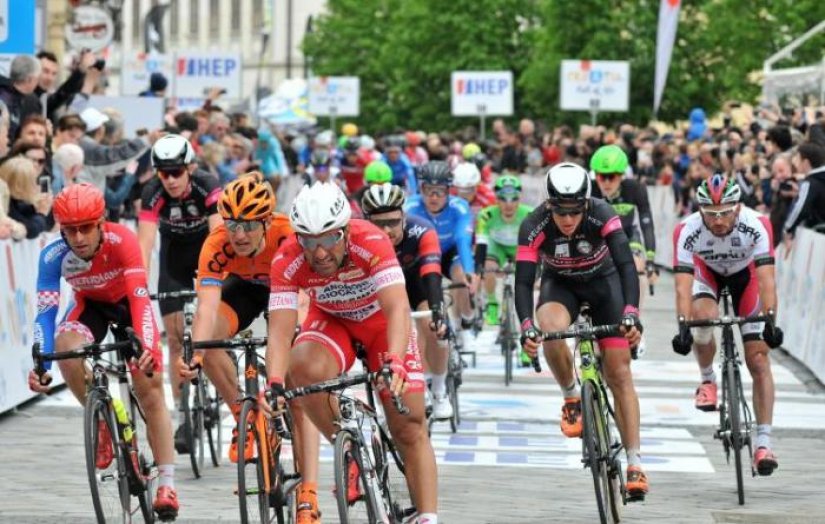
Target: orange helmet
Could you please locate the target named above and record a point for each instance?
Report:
(79, 204)
(247, 198)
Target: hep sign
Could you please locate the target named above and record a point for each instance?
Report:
(196, 71)
(214, 67)
(482, 86)
(477, 93)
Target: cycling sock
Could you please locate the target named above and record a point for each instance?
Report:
(427, 518)
(708, 375)
(571, 391)
(634, 458)
(166, 475)
(763, 436)
(439, 388)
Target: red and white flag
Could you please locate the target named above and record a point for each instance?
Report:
(665, 36)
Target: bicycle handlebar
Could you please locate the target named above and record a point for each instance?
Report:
(184, 294)
(726, 321)
(230, 343)
(583, 331)
(343, 382)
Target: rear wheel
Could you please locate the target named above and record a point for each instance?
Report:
(364, 507)
(595, 447)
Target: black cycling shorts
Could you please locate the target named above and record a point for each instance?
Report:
(604, 294)
(244, 301)
(178, 268)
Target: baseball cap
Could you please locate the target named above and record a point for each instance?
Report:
(93, 118)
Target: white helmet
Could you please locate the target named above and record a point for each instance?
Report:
(172, 151)
(319, 208)
(367, 142)
(324, 139)
(466, 175)
(568, 182)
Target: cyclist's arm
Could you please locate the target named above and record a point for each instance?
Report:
(646, 221)
(482, 226)
(464, 238)
(765, 270)
(280, 331)
(396, 308)
(527, 257)
(48, 296)
(430, 252)
(683, 272)
(147, 230)
(209, 301)
(622, 256)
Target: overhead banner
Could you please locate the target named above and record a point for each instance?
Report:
(196, 72)
(595, 85)
(665, 36)
(476, 93)
(334, 95)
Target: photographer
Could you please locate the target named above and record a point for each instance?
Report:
(52, 99)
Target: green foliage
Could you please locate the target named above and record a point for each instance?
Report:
(404, 52)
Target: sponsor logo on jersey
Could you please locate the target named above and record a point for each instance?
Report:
(584, 247)
(351, 275)
(416, 230)
(750, 231)
(147, 324)
(193, 210)
(361, 251)
(175, 213)
(736, 242)
(690, 241)
(113, 237)
(74, 265)
(55, 250)
(562, 250)
(293, 267)
(141, 292)
(94, 281)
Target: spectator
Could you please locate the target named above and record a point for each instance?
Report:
(56, 99)
(67, 163)
(809, 207)
(218, 128)
(157, 86)
(214, 155)
(270, 156)
(785, 189)
(27, 204)
(119, 186)
(17, 91)
(513, 157)
(4, 130)
(35, 129)
(70, 129)
(779, 140)
(9, 228)
(35, 153)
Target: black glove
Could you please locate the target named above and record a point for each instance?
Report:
(437, 317)
(276, 396)
(773, 335)
(683, 342)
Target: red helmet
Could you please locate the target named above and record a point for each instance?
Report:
(79, 204)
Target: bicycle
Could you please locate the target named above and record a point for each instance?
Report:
(126, 485)
(199, 403)
(508, 335)
(385, 498)
(735, 418)
(266, 493)
(600, 447)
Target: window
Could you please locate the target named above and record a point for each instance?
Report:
(214, 18)
(236, 17)
(194, 17)
(259, 15)
(137, 22)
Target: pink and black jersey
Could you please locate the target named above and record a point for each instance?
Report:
(184, 219)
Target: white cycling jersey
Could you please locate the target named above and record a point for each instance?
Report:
(751, 240)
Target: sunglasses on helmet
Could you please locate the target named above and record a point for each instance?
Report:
(233, 226)
(327, 241)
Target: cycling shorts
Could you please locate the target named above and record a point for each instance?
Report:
(178, 267)
(91, 319)
(604, 294)
(744, 292)
(449, 259)
(336, 335)
(500, 253)
(241, 302)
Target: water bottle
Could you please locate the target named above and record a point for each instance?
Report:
(123, 422)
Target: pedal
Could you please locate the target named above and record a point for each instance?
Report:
(166, 515)
(639, 497)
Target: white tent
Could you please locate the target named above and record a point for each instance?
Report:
(806, 80)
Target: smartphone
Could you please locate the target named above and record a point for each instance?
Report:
(100, 64)
(45, 184)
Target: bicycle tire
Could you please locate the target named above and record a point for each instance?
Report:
(148, 472)
(110, 493)
(212, 423)
(253, 494)
(187, 409)
(734, 411)
(506, 335)
(453, 380)
(389, 470)
(616, 491)
(196, 452)
(346, 449)
(594, 447)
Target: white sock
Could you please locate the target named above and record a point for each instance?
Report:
(166, 475)
(763, 436)
(427, 518)
(708, 375)
(571, 391)
(634, 458)
(439, 384)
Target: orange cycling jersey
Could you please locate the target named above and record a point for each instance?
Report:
(218, 259)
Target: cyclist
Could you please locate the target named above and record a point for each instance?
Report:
(233, 281)
(182, 203)
(497, 239)
(586, 258)
(376, 173)
(417, 250)
(101, 262)
(726, 244)
(629, 200)
(471, 152)
(467, 184)
(453, 222)
(356, 290)
(352, 166)
(403, 173)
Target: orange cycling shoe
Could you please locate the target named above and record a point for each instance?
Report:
(571, 417)
(636, 483)
(166, 503)
(764, 461)
(706, 396)
(353, 484)
(306, 510)
(105, 453)
(249, 450)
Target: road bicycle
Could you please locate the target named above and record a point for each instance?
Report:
(508, 335)
(600, 447)
(735, 418)
(124, 487)
(266, 492)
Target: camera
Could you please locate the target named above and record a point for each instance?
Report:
(100, 64)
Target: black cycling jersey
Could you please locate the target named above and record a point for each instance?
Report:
(633, 207)
(595, 250)
(419, 254)
(182, 219)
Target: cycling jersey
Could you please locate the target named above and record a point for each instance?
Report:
(597, 248)
(183, 219)
(114, 275)
(403, 173)
(485, 196)
(218, 259)
(633, 207)
(495, 238)
(420, 257)
(454, 226)
(751, 240)
(352, 175)
(344, 306)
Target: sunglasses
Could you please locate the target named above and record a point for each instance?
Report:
(608, 177)
(247, 225)
(508, 198)
(434, 191)
(567, 211)
(171, 173)
(718, 214)
(83, 229)
(387, 222)
(327, 241)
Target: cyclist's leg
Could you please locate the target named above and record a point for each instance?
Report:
(705, 306)
(557, 307)
(492, 264)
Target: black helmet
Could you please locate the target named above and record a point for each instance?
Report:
(436, 173)
(568, 182)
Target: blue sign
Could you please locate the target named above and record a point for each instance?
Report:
(17, 26)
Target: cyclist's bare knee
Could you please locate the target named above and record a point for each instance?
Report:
(756, 358)
(311, 362)
(704, 308)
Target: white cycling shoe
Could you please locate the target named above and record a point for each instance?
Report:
(442, 409)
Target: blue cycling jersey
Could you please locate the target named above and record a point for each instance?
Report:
(403, 173)
(454, 225)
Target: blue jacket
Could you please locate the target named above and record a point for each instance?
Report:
(454, 225)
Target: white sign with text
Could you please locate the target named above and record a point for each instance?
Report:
(476, 93)
(334, 95)
(595, 85)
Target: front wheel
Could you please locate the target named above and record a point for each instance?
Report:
(595, 447)
(254, 471)
(735, 412)
(358, 504)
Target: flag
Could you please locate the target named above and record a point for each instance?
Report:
(665, 36)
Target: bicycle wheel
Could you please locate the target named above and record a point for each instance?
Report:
(453, 381)
(109, 485)
(212, 422)
(253, 493)
(389, 470)
(506, 336)
(146, 473)
(595, 447)
(734, 412)
(195, 421)
(616, 491)
(365, 506)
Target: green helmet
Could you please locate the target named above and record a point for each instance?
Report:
(377, 172)
(609, 159)
(508, 184)
(470, 150)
